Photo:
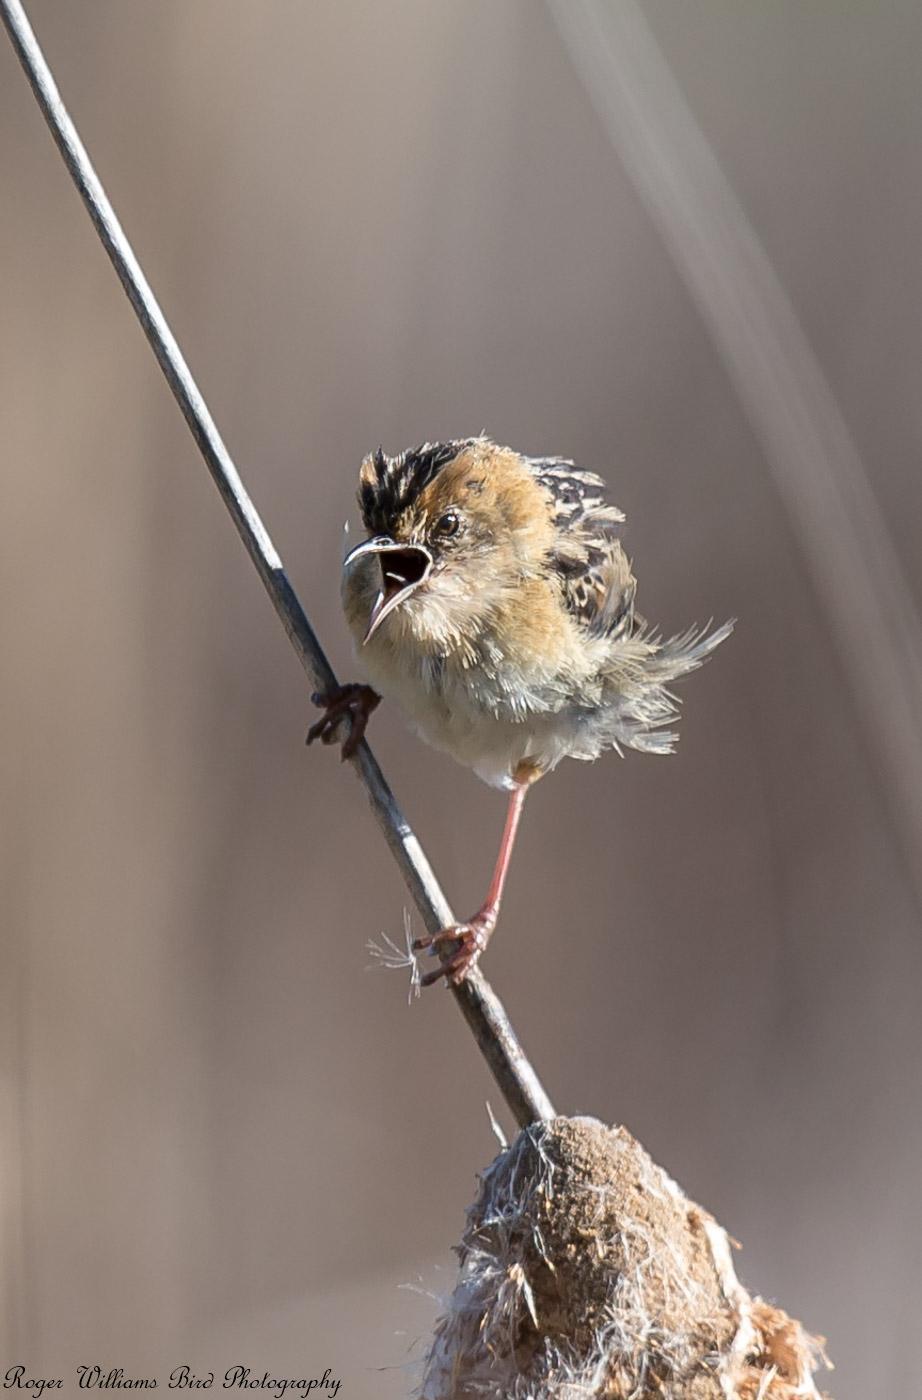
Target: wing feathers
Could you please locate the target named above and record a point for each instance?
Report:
(595, 573)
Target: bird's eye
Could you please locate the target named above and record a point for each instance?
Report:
(448, 524)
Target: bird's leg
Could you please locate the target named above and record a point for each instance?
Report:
(474, 935)
(356, 701)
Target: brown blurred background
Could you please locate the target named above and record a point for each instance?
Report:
(222, 1141)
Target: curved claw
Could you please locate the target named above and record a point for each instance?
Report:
(353, 700)
(472, 937)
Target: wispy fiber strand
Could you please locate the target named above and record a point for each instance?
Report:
(481, 1007)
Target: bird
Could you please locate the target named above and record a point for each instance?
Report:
(492, 599)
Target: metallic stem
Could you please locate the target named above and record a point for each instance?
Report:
(481, 1007)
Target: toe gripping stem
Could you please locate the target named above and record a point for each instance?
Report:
(354, 702)
(470, 940)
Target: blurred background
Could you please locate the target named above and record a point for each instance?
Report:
(223, 1141)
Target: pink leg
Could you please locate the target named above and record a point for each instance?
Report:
(474, 935)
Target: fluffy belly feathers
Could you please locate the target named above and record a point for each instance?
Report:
(491, 726)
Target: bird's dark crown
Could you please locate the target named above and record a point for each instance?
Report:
(388, 486)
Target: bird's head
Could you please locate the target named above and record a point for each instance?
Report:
(454, 528)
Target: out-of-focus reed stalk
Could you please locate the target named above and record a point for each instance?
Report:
(816, 467)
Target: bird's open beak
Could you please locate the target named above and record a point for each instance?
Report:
(403, 568)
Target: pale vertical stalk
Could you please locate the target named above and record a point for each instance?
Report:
(815, 464)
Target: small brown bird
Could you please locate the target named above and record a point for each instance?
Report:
(494, 602)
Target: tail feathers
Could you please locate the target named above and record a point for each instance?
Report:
(647, 703)
(686, 652)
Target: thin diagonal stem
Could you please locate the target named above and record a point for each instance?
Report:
(481, 1007)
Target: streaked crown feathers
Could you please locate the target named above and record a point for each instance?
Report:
(389, 485)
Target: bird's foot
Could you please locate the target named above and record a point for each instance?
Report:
(356, 701)
(471, 937)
